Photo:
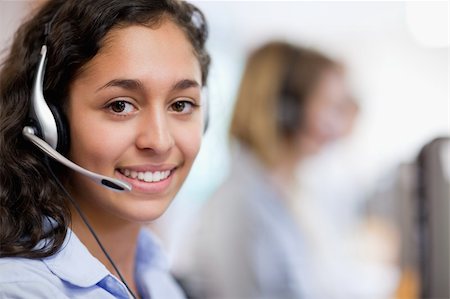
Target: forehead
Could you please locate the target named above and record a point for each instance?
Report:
(138, 50)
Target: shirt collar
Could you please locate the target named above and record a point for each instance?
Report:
(75, 264)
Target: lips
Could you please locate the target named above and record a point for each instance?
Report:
(148, 179)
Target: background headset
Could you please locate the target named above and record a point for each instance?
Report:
(290, 100)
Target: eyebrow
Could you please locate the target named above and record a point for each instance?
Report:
(129, 84)
(132, 84)
(185, 84)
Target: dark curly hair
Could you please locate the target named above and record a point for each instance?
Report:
(76, 31)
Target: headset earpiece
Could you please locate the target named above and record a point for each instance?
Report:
(205, 101)
(289, 114)
(206, 123)
(289, 100)
(48, 121)
(62, 128)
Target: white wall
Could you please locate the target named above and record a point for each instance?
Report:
(11, 15)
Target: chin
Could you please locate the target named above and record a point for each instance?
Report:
(151, 213)
(311, 150)
(142, 211)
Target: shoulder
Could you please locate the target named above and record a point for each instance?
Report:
(26, 278)
(14, 269)
(242, 197)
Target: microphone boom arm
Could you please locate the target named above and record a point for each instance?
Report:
(108, 182)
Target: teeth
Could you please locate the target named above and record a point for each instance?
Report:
(146, 176)
(157, 176)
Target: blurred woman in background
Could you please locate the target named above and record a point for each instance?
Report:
(292, 102)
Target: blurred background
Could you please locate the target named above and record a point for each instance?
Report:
(396, 53)
(396, 56)
(397, 60)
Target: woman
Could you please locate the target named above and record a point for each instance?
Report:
(127, 77)
(290, 104)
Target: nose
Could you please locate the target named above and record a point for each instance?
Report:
(154, 132)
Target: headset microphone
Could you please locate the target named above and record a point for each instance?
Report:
(47, 122)
(114, 184)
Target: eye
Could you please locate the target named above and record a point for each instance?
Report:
(121, 107)
(185, 107)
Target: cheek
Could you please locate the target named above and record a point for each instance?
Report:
(317, 116)
(94, 141)
(312, 119)
(188, 139)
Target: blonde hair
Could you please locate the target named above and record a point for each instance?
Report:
(271, 71)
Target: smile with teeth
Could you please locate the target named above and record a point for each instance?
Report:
(146, 176)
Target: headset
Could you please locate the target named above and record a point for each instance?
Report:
(48, 130)
(289, 105)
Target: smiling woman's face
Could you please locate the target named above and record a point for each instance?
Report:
(134, 114)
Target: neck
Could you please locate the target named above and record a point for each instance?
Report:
(283, 177)
(285, 167)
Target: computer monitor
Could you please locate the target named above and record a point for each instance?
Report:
(433, 214)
